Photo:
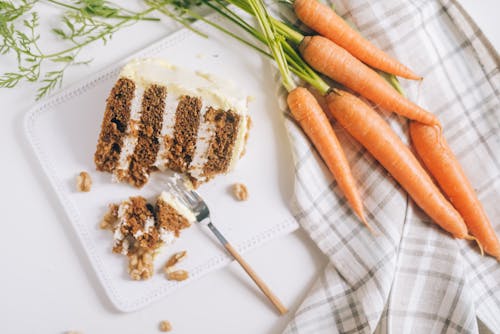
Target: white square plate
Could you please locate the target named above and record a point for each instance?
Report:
(64, 129)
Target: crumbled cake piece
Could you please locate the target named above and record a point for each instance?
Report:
(83, 182)
(174, 259)
(134, 234)
(178, 275)
(139, 230)
(240, 191)
(165, 326)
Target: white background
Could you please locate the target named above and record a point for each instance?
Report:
(46, 283)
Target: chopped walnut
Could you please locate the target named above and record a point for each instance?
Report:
(83, 182)
(110, 217)
(240, 191)
(174, 259)
(178, 275)
(165, 326)
(140, 265)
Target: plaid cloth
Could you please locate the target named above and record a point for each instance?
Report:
(413, 277)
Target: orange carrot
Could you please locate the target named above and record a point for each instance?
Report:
(326, 22)
(437, 156)
(310, 116)
(338, 64)
(370, 129)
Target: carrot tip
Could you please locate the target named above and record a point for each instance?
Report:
(470, 237)
(370, 228)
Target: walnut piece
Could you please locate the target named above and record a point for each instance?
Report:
(178, 275)
(83, 182)
(110, 218)
(240, 191)
(140, 264)
(174, 259)
(165, 326)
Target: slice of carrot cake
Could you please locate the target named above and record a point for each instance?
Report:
(141, 229)
(159, 117)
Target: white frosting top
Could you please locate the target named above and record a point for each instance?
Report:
(215, 91)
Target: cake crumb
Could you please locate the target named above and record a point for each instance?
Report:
(178, 275)
(165, 326)
(83, 182)
(74, 332)
(240, 191)
(172, 262)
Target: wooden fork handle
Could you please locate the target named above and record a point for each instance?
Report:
(260, 283)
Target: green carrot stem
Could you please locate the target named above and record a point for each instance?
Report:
(297, 64)
(229, 33)
(285, 30)
(274, 45)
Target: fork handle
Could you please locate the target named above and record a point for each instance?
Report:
(253, 275)
(260, 283)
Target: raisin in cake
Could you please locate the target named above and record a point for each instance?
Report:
(159, 117)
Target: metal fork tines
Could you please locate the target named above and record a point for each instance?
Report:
(191, 199)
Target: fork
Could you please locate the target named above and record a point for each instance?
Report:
(193, 201)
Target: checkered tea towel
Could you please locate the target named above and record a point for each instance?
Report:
(413, 277)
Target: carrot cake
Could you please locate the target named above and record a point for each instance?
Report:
(141, 229)
(159, 116)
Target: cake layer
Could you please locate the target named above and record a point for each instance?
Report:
(146, 149)
(114, 125)
(189, 122)
(221, 145)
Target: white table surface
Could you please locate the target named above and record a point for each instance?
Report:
(46, 283)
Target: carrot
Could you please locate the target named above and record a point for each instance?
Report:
(312, 119)
(338, 64)
(370, 129)
(306, 109)
(439, 159)
(326, 22)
